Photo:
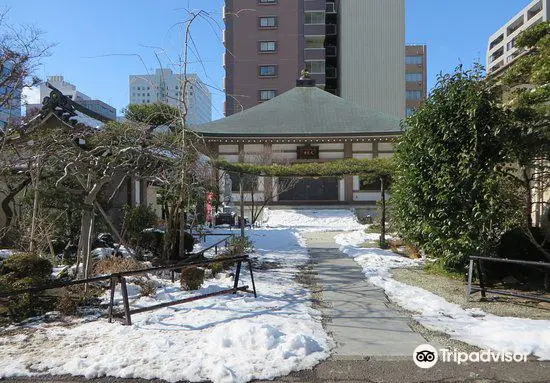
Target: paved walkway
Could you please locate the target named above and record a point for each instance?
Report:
(359, 318)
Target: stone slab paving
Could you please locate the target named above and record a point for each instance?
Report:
(357, 313)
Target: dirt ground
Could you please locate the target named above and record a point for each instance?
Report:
(454, 290)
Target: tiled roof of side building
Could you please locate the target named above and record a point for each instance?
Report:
(303, 111)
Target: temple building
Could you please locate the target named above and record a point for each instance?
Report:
(304, 124)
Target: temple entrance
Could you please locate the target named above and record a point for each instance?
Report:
(312, 190)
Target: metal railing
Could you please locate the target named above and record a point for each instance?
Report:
(476, 261)
(120, 277)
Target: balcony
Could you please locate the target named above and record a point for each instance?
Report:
(331, 7)
(314, 5)
(331, 72)
(331, 51)
(514, 26)
(534, 10)
(496, 41)
(498, 54)
(331, 29)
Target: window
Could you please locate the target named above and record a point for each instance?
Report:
(413, 77)
(316, 66)
(314, 42)
(250, 182)
(266, 95)
(315, 18)
(409, 112)
(414, 95)
(267, 22)
(138, 88)
(267, 1)
(510, 44)
(413, 60)
(268, 46)
(367, 184)
(267, 70)
(496, 41)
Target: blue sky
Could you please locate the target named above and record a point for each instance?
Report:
(100, 43)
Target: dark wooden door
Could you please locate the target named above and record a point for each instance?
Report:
(312, 190)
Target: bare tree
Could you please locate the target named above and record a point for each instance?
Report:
(21, 50)
(272, 186)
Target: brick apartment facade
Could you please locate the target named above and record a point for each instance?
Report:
(416, 77)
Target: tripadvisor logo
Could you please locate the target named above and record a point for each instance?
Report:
(426, 356)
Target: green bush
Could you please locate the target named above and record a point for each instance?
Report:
(239, 246)
(450, 196)
(216, 268)
(137, 219)
(192, 278)
(27, 265)
(22, 271)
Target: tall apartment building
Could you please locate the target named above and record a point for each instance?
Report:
(352, 48)
(416, 77)
(166, 87)
(69, 90)
(501, 50)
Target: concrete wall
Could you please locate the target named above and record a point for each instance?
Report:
(372, 54)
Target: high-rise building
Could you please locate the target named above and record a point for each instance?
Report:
(372, 54)
(10, 111)
(166, 87)
(416, 87)
(352, 48)
(69, 90)
(501, 49)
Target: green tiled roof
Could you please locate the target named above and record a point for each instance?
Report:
(303, 111)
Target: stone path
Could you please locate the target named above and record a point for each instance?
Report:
(359, 318)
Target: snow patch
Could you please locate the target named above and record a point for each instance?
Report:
(231, 338)
(472, 326)
(313, 220)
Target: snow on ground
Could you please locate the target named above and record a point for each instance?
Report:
(6, 253)
(313, 220)
(472, 326)
(232, 338)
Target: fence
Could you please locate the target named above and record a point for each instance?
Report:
(476, 260)
(115, 278)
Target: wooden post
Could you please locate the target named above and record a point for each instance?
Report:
(237, 274)
(383, 244)
(252, 278)
(112, 300)
(470, 276)
(480, 276)
(241, 191)
(124, 290)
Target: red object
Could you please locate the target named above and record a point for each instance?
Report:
(209, 207)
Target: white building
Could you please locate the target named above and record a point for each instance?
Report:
(166, 87)
(372, 54)
(70, 91)
(501, 50)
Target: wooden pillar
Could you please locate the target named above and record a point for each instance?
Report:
(348, 180)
